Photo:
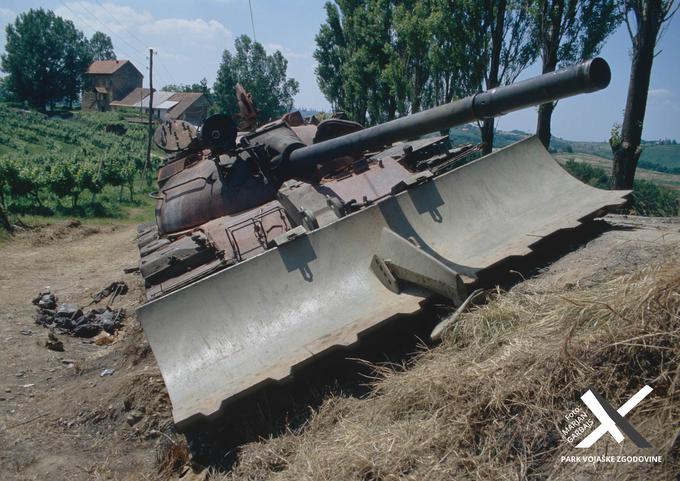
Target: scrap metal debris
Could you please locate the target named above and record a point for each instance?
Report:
(45, 300)
(54, 344)
(115, 289)
(69, 318)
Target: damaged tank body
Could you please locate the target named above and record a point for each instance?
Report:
(273, 245)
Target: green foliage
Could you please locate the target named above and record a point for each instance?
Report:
(263, 75)
(568, 31)
(648, 198)
(381, 58)
(6, 94)
(651, 199)
(101, 47)
(594, 176)
(45, 58)
(46, 164)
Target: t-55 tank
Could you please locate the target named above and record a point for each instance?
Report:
(275, 243)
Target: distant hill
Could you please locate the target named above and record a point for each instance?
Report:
(655, 156)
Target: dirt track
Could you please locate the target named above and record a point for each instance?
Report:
(60, 420)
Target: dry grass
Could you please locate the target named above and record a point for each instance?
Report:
(490, 401)
(172, 455)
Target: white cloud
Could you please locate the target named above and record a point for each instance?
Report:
(134, 29)
(198, 29)
(7, 13)
(109, 18)
(130, 27)
(287, 52)
(660, 93)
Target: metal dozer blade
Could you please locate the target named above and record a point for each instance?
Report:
(316, 287)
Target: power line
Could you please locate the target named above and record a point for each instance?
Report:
(162, 64)
(252, 20)
(139, 59)
(102, 27)
(95, 29)
(135, 38)
(82, 5)
(118, 22)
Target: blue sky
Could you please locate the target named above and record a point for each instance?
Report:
(190, 36)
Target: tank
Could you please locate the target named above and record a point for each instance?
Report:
(275, 243)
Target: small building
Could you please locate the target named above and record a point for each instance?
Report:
(108, 81)
(189, 106)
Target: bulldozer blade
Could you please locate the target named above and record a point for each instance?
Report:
(253, 322)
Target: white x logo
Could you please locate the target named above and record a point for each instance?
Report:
(608, 424)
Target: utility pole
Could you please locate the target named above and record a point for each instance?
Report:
(148, 144)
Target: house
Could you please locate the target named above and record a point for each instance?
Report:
(189, 106)
(107, 81)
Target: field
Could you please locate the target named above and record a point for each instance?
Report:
(670, 181)
(659, 157)
(654, 156)
(79, 164)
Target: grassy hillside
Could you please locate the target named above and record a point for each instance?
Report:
(77, 164)
(490, 401)
(662, 158)
(668, 180)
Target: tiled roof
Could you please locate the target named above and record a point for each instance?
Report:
(176, 102)
(132, 98)
(108, 67)
(185, 100)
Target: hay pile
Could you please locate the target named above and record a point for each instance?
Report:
(489, 402)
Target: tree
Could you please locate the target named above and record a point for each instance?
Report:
(568, 31)
(648, 17)
(511, 48)
(413, 39)
(45, 58)
(354, 51)
(329, 55)
(6, 94)
(263, 75)
(101, 47)
(379, 58)
(4, 221)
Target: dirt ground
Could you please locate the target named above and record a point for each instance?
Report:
(61, 420)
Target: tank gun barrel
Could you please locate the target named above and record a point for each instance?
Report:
(589, 76)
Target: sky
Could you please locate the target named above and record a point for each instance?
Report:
(191, 35)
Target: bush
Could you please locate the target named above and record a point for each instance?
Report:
(648, 198)
(652, 200)
(594, 176)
